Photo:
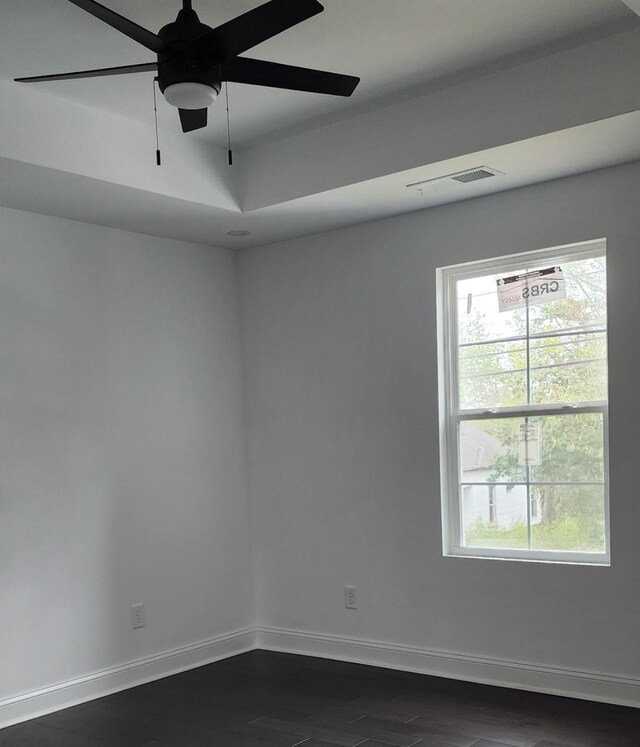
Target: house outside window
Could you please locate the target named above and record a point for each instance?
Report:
(523, 404)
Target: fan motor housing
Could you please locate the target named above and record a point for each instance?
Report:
(183, 70)
(173, 67)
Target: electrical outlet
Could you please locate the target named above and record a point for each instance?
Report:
(137, 616)
(350, 601)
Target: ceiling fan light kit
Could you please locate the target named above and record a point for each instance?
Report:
(191, 95)
(193, 59)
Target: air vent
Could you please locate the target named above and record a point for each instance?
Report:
(473, 176)
(460, 177)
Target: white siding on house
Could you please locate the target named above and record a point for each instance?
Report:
(510, 504)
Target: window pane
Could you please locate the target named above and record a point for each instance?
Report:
(555, 448)
(571, 368)
(493, 375)
(585, 305)
(570, 518)
(564, 518)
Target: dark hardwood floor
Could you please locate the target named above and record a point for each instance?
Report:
(263, 699)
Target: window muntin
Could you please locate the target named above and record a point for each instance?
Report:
(542, 368)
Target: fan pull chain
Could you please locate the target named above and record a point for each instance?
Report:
(229, 151)
(155, 112)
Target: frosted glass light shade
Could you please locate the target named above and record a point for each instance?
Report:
(190, 95)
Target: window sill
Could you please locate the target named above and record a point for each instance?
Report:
(602, 560)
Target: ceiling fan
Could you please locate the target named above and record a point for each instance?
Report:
(193, 60)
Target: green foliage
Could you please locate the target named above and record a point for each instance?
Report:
(568, 533)
(487, 535)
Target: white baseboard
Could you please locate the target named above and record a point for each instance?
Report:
(586, 685)
(107, 681)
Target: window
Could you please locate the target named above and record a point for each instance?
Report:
(523, 403)
(493, 515)
(534, 503)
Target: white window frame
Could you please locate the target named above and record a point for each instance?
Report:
(451, 415)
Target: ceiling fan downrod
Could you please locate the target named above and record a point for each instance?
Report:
(186, 5)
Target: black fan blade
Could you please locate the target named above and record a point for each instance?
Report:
(193, 119)
(146, 67)
(275, 75)
(253, 27)
(123, 25)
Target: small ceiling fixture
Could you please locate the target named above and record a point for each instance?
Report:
(193, 60)
(238, 233)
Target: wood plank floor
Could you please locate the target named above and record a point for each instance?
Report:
(263, 699)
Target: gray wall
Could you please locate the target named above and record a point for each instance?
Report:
(122, 462)
(122, 473)
(340, 355)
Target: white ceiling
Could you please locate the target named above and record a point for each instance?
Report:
(552, 156)
(536, 88)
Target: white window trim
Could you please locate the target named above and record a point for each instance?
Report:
(449, 415)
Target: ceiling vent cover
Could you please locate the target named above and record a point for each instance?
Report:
(473, 176)
(460, 177)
